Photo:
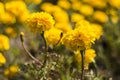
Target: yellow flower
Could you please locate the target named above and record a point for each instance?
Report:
(114, 3)
(11, 32)
(40, 21)
(48, 7)
(97, 30)
(4, 42)
(11, 71)
(81, 37)
(88, 57)
(86, 10)
(64, 27)
(53, 36)
(96, 3)
(61, 16)
(75, 17)
(1, 8)
(23, 16)
(76, 5)
(2, 60)
(8, 18)
(64, 4)
(100, 16)
(16, 7)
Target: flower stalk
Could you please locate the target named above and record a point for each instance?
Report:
(82, 66)
(32, 57)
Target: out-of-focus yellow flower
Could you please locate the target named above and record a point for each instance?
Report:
(64, 4)
(11, 32)
(40, 21)
(16, 7)
(75, 17)
(23, 16)
(1, 8)
(2, 59)
(87, 10)
(81, 37)
(96, 3)
(53, 36)
(11, 71)
(65, 27)
(89, 57)
(114, 3)
(113, 15)
(61, 16)
(76, 5)
(8, 18)
(100, 16)
(47, 7)
(4, 42)
(97, 30)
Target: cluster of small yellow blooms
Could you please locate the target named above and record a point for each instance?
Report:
(2, 59)
(4, 42)
(11, 71)
(39, 22)
(89, 57)
(10, 11)
(81, 37)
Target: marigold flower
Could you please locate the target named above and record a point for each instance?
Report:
(11, 71)
(53, 36)
(81, 37)
(96, 3)
(61, 16)
(65, 27)
(100, 16)
(114, 3)
(4, 42)
(1, 8)
(86, 10)
(97, 30)
(40, 21)
(75, 17)
(8, 18)
(89, 57)
(76, 4)
(11, 32)
(16, 7)
(64, 4)
(2, 59)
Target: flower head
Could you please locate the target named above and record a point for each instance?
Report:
(53, 36)
(2, 59)
(11, 71)
(81, 37)
(40, 21)
(89, 57)
(4, 42)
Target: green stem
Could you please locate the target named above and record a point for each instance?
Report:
(32, 57)
(46, 50)
(83, 58)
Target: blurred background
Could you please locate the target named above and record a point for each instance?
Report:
(102, 13)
